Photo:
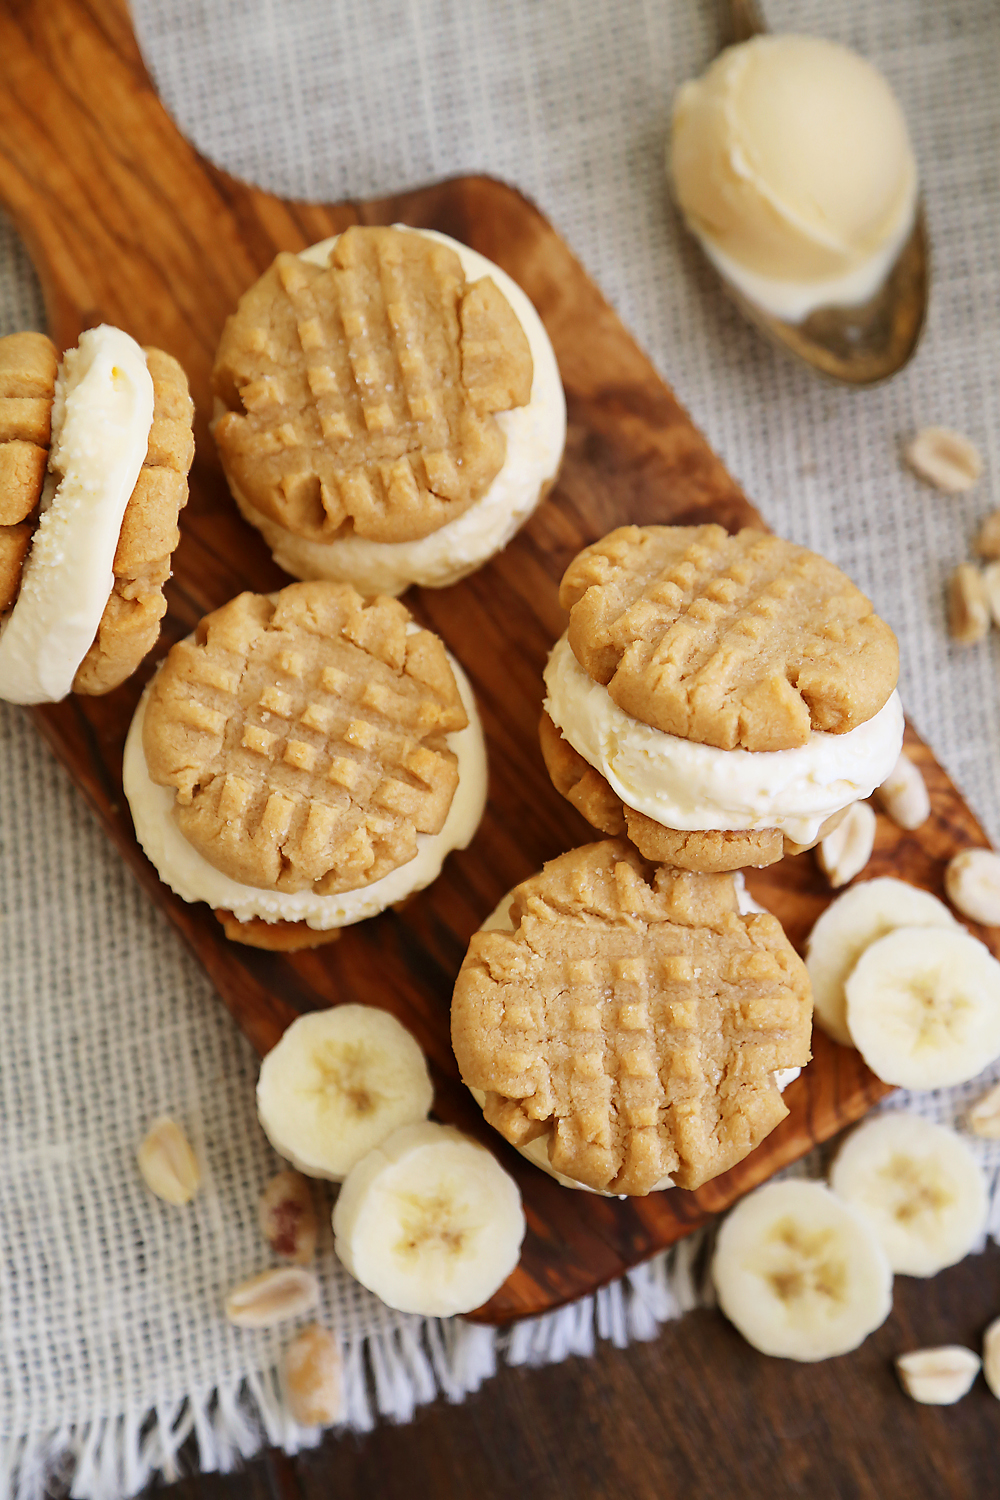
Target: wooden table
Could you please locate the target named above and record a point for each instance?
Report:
(696, 1414)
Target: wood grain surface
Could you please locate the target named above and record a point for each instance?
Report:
(696, 1413)
(127, 224)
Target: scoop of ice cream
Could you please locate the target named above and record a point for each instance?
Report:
(792, 163)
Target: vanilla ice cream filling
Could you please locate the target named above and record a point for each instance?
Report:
(190, 876)
(535, 435)
(537, 1151)
(101, 417)
(691, 787)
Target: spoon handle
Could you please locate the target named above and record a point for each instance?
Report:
(745, 20)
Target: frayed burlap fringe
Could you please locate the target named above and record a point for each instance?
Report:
(387, 1374)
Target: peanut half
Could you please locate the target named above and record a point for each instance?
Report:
(972, 882)
(988, 540)
(946, 459)
(991, 583)
(272, 1297)
(991, 1357)
(968, 605)
(287, 1217)
(845, 852)
(903, 794)
(983, 1119)
(938, 1377)
(311, 1377)
(167, 1163)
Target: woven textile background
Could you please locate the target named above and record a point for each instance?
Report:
(109, 1305)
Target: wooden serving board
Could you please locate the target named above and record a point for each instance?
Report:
(128, 224)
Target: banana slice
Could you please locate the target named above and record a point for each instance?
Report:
(920, 1186)
(848, 926)
(800, 1272)
(429, 1221)
(337, 1084)
(923, 1007)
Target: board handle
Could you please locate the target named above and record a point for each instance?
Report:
(124, 220)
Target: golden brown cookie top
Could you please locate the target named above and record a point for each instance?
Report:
(634, 1017)
(743, 640)
(305, 736)
(360, 396)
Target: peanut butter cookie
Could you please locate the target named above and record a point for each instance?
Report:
(305, 737)
(358, 398)
(28, 367)
(130, 623)
(634, 1018)
(743, 640)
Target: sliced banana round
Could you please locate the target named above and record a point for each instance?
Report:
(800, 1272)
(848, 926)
(429, 1221)
(920, 1186)
(923, 1007)
(337, 1084)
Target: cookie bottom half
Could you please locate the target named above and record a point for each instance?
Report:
(534, 437)
(709, 851)
(275, 937)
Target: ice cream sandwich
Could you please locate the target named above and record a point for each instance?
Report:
(388, 409)
(94, 457)
(722, 700)
(303, 761)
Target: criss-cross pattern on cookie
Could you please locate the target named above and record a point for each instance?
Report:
(735, 641)
(28, 365)
(360, 395)
(305, 736)
(634, 1018)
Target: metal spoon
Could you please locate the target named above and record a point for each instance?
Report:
(858, 345)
